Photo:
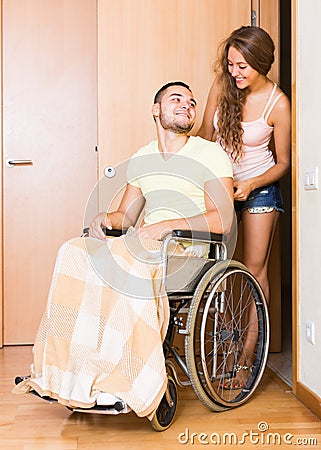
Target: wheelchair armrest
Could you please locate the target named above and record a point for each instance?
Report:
(107, 232)
(199, 235)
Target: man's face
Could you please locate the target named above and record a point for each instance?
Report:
(177, 110)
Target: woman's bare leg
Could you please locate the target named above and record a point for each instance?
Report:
(258, 233)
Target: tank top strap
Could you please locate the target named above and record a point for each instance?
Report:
(269, 101)
(272, 105)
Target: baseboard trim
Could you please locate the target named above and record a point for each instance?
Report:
(302, 392)
(308, 398)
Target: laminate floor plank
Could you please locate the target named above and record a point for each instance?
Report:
(270, 417)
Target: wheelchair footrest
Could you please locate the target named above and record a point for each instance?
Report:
(119, 407)
(45, 397)
(106, 403)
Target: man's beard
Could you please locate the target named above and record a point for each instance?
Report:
(175, 127)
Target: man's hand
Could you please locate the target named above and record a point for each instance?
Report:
(155, 231)
(95, 229)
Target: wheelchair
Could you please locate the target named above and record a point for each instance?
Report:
(218, 310)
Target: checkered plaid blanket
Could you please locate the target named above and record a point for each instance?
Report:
(103, 328)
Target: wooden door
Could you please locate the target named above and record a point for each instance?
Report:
(142, 45)
(49, 119)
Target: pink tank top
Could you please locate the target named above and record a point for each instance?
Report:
(256, 158)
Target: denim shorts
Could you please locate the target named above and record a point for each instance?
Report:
(262, 200)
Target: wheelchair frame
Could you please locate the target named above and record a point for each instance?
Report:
(226, 328)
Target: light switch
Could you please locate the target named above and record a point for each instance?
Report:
(311, 181)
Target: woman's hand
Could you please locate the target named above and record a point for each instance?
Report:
(95, 229)
(242, 190)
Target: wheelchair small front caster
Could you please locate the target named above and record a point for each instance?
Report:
(164, 414)
(19, 379)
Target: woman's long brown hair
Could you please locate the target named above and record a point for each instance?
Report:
(257, 48)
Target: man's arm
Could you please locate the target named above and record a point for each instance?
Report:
(218, 218)
(126, 214)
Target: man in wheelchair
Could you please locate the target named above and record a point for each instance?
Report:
(107, 313)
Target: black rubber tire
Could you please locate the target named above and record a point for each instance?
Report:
(164, 415)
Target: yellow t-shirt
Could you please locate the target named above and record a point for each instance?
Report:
(173, 184)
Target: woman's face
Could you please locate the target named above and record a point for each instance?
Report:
(240, 70)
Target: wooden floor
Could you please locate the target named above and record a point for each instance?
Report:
(29, 423)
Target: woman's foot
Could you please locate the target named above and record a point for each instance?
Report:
(238, 381)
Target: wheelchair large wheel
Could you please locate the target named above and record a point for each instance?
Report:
(164, 414)
(226, 347)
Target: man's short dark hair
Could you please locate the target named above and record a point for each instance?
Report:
(160, 92)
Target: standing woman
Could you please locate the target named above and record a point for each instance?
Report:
(245, 110)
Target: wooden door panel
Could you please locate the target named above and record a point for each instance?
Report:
(49, 117)
(270, 21)
(142, 45)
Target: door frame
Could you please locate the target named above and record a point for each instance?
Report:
(295, 206)
(1, 189)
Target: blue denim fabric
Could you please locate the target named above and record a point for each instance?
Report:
(265, 196)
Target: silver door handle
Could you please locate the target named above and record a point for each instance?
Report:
(18, 162)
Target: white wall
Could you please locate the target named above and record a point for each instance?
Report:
(309, 153)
